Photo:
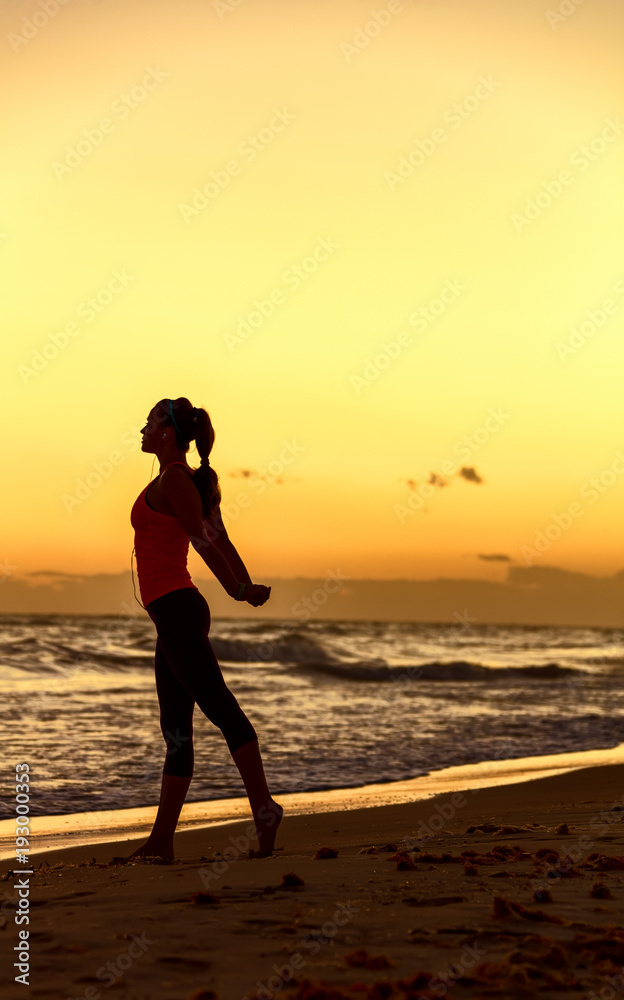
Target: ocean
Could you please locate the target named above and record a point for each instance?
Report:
(335, 704)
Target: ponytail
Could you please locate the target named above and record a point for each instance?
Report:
(205, 478)
(192, 423)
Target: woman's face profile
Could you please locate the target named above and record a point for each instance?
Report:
(152, 430)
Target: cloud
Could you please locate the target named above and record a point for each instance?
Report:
(493, 557)
(55, 572)
(260, 474)
(437, 480)
(469, 473)
(54, 579)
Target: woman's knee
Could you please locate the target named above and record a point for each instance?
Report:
(218, 704)
(227, 715)
(241, 736)
(179, 748)
(178, 768)
(180, 765)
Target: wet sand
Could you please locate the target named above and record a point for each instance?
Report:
(108, 826)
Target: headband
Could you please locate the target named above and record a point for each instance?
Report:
(174, 420)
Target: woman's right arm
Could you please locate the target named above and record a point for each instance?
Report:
(217, 563)
(216, 531)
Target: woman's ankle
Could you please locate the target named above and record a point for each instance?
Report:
(160, 843)
(264, 808)
(267, 819)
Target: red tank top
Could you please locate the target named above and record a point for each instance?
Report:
(161, 546)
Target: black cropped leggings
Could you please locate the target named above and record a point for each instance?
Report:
(187, 671)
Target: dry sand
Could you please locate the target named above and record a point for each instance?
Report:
(396, 914)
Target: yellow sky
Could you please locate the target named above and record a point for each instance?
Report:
(471, 298)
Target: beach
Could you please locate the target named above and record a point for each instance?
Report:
(512, 890)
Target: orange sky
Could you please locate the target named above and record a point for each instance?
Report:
(358, 193)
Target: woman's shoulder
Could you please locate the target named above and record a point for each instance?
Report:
(177, 468)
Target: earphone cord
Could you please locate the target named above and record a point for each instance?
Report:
(133, 552)
(133, 587)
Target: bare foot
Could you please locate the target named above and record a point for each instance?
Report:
(153, 850)
(267, 820)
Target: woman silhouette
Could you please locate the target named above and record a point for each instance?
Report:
(179, 506)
